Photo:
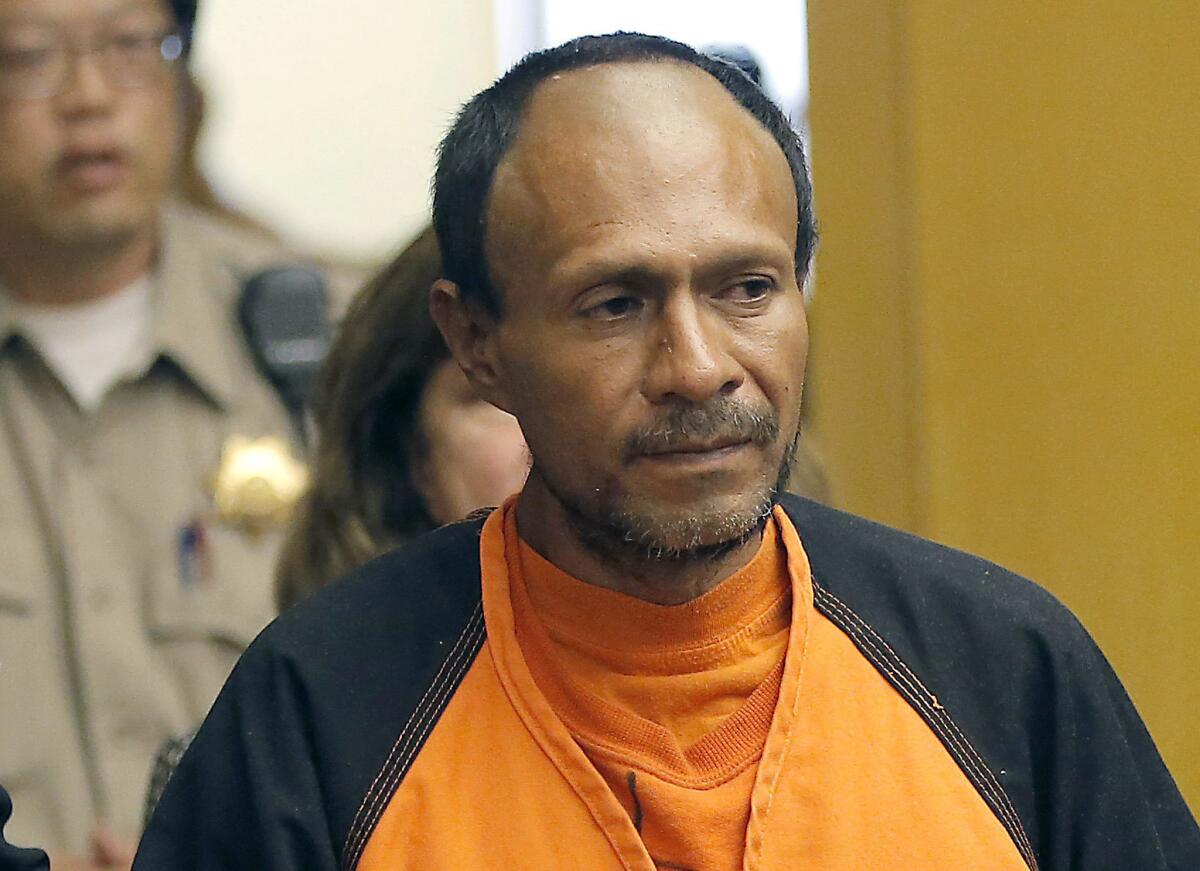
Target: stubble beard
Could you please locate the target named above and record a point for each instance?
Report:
(616, 528)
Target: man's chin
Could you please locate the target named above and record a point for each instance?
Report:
(100, 221)
(99, 231)
(674, 520)
(666, 532)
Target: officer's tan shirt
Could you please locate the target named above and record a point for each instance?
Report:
(124, 600)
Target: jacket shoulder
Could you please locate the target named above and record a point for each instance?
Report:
(893, 574)
(400, 598)
(1013, 686)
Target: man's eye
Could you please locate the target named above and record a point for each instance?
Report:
(614, 308)
(17, 60)
(752, 289)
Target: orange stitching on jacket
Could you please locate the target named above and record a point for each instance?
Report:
(424, 715)
(369, 797)
(944, 724)
(370, 810)
(394, 768)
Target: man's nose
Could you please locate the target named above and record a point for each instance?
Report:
(87, 87)
(692, 358)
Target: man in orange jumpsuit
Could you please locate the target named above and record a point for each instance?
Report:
(651, 658)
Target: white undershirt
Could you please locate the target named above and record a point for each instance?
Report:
(91, 346)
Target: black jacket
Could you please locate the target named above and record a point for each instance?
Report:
(1006, 677)
(17, 858)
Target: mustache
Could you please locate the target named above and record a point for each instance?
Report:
(720, 419)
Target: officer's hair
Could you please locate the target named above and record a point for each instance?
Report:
(487, 126)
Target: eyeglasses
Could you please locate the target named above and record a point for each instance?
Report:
(37, 59)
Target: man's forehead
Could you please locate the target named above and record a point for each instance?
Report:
(606, 105)
(623, 141)
(73, 10)
(608, 83)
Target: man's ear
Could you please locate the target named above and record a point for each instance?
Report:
(470, 333)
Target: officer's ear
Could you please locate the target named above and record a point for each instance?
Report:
(470, 333)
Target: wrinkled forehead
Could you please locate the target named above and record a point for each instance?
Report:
(623, 140)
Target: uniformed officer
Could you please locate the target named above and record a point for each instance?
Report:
(145, 466)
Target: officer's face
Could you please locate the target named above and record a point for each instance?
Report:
(90, 161)
(642, 231)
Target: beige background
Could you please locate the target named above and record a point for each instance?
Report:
(1007, 320)
(324, 114)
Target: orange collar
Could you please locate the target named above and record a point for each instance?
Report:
(631, 636)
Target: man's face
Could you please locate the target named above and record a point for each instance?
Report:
(652, 344)
(89, 164)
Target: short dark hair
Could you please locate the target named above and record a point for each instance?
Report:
(185, 18)
(487, 125)
(185, 13)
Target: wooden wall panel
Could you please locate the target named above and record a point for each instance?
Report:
(1015, 369)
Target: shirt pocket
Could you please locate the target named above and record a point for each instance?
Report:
(209, 597)
(26, 653)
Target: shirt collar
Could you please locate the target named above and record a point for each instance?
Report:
(192, 321)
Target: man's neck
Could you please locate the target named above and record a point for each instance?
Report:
(543, 522)
(46, 274)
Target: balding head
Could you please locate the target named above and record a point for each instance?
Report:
(490, 123)
(646, 142)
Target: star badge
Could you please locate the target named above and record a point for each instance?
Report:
(258, 483)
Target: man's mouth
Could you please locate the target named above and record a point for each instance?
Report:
(714, 432)
(697, 452)
(93, 169)
(705, 447)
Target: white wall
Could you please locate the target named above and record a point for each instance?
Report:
(324, 114)
(775, 30)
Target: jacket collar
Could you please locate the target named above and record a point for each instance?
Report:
(192, 323)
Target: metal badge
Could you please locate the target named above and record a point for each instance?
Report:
(258, 483)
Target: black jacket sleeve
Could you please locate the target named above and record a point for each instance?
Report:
(17, 858)
(247, 794)
(275, 777)
(1104, 799)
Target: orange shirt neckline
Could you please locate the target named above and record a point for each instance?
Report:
(630, 636)
(555, 739)
(607, 620)
(851, 775)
